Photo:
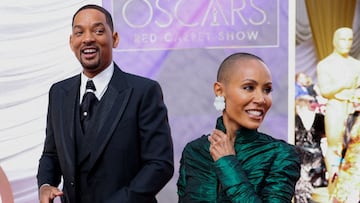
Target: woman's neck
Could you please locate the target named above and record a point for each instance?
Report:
(231, 128)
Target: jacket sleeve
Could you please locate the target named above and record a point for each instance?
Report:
(156, 150)
(49, 168)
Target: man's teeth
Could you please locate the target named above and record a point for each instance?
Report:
(89, 51)
(255, 113)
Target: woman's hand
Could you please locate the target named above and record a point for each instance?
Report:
(221, 144)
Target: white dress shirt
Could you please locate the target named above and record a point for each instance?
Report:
(101, 82)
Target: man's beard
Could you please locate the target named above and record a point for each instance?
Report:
(90, 67)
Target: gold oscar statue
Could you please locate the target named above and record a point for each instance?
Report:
(338, 79)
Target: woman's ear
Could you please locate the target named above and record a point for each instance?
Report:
(218, 89)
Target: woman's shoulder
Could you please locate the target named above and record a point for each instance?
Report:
(282, 153)
(278, 144)
(197, 147)
(196, 156)
(198, 143)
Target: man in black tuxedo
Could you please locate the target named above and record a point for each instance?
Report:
(126, 153)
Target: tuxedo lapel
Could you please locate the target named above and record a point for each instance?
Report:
(67, 104)
(117, 96)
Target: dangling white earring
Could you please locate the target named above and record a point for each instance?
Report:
(219, 103)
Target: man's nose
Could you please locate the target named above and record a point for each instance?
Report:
(88, 38)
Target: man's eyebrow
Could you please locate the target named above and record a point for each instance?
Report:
(77, 26)
(94, 25)
(98, 24)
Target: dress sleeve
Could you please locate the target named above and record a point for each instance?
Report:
(181, 183)
(283, 175)
(197, 181)
(278, 186)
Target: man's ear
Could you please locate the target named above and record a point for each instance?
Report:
(116, 39)
(71, 42)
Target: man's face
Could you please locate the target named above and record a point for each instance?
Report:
(92, 41)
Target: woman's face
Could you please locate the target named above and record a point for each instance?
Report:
(247, 94)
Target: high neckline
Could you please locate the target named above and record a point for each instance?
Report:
(243, 135)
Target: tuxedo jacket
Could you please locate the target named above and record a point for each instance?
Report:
(130, 151)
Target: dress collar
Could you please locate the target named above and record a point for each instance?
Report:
(243, 135)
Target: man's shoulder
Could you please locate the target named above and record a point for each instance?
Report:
(135, 79)
(138, 78)
(67, 81)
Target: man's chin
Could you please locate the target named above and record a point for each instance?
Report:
(89, 66)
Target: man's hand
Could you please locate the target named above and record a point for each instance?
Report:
(221, 145)
(48, 193)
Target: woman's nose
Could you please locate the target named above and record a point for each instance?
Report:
(259, 97)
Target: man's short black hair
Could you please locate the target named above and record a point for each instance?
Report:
(108, 17)
(223, 72)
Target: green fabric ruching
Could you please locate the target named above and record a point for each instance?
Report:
(264, 170)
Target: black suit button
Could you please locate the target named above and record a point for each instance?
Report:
(72, 184)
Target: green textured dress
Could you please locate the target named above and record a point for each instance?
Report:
(264, 169)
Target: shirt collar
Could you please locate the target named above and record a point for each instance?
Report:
(101, 81)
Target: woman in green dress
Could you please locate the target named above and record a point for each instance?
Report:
(236, 163)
